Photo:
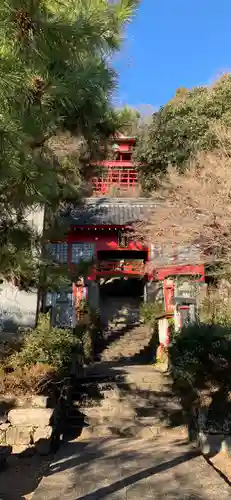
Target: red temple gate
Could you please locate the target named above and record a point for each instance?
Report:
(100, 231)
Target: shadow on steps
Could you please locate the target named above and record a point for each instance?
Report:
(112, 336)
(100, 401)
(100, 397)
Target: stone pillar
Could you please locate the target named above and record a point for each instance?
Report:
(145, 293)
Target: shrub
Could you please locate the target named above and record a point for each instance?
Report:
(47, 346)
(201, 355)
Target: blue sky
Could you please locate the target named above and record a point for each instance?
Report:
(173, 43)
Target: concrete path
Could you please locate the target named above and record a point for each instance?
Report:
(128, 469)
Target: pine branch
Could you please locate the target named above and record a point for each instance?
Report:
(55, 75)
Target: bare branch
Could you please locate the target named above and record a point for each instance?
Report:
(195, 208)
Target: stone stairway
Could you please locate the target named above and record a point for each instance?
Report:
(127, 346)
(119, 312)
(137, 403)
(119, 396)
(127, 437)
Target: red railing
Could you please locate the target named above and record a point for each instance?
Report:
(118, 268)
(118, 179)
(124, 164)
(197, 271)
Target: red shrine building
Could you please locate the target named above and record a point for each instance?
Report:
(100, 232)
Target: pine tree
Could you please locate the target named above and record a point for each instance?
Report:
(55, 76)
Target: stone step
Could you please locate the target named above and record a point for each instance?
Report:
(91, 432)
(112, 412)
(98, 394)
(112, 420)
(122, 355)
(134, 342)
(93, 384)
(85, 403)
(128, 430)
(113, 393)
(95, 377)
(134, 338)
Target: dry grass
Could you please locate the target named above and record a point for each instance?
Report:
(29, 380)
(195, 208)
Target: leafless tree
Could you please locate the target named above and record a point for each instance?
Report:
(194, 208)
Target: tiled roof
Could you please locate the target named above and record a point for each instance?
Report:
(109, 211)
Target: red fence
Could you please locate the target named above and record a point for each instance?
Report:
(118, 179)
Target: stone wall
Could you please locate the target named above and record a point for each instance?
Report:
(18, 308)
(29, 429)
(208, 414)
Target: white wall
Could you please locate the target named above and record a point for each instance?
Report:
(19, 308)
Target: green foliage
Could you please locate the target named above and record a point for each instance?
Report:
(55, 276)
(150, 311)
(201, 355)
(46, 345)
(181, 128)
(216, 310)
(85, 351)
(90, 334)
(129, 120)
(55, 75)
(45, 354)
